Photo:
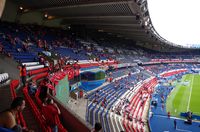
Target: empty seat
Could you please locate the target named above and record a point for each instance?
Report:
(30, 63)
(34, 67)
(4, 77)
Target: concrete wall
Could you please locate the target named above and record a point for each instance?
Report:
(9, 66)
(2, 5)
(37, 17)
(10, 11)
(31, 18)
(70, 120)
(53, 23)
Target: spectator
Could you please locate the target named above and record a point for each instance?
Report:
(51, 112)
(8, 117)
(104, 102)
(46, 63)
(19, 50)
(23, 75)
(168, 114)
(175, 124)
(96, 94)
(151, 114)
(43, 89)
(97, 127)
(130, 117)
(162, 106)
(188, 121)
(32, 88)
(189, 115)
(41, 60)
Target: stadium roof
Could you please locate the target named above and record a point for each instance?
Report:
(127, 18)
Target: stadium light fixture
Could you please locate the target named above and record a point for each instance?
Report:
(21, 8)
(45, 15)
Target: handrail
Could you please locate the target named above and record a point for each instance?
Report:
(36, 112)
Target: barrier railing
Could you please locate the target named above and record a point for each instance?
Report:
(36, 112)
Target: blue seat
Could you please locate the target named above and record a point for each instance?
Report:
(5, 130)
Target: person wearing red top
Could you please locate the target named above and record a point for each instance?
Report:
(23, 74)
(51, 111)
(168, 114)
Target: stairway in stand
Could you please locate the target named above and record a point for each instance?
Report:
(29, 117)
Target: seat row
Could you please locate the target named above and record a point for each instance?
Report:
(4, 77)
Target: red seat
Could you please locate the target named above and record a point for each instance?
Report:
(33, 72)
(39, 76)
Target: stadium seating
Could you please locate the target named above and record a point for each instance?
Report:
(33, 72)
(126, 92)
(5, 130)
(30, 63)
(4, 77)
(34, 67)
(98, 112)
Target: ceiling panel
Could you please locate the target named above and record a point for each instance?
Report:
(38, 4)
(118, 9)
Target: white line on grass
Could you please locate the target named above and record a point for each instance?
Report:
(190, 93)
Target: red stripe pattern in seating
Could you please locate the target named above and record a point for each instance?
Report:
(33, 72)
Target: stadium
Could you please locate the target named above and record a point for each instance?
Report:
(99, 66)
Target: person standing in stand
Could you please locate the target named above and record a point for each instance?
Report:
(51, 112)
(23, 75)
(175, 124)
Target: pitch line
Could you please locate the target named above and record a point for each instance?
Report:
(190, 93)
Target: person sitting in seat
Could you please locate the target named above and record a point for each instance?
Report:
(130, 117)
(8, 117)
(104, 102)
(32, 88)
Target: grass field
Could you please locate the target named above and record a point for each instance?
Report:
(185, 96)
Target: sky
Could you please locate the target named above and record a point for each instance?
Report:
(177, 21)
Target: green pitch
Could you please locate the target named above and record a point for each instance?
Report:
(185, 96)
